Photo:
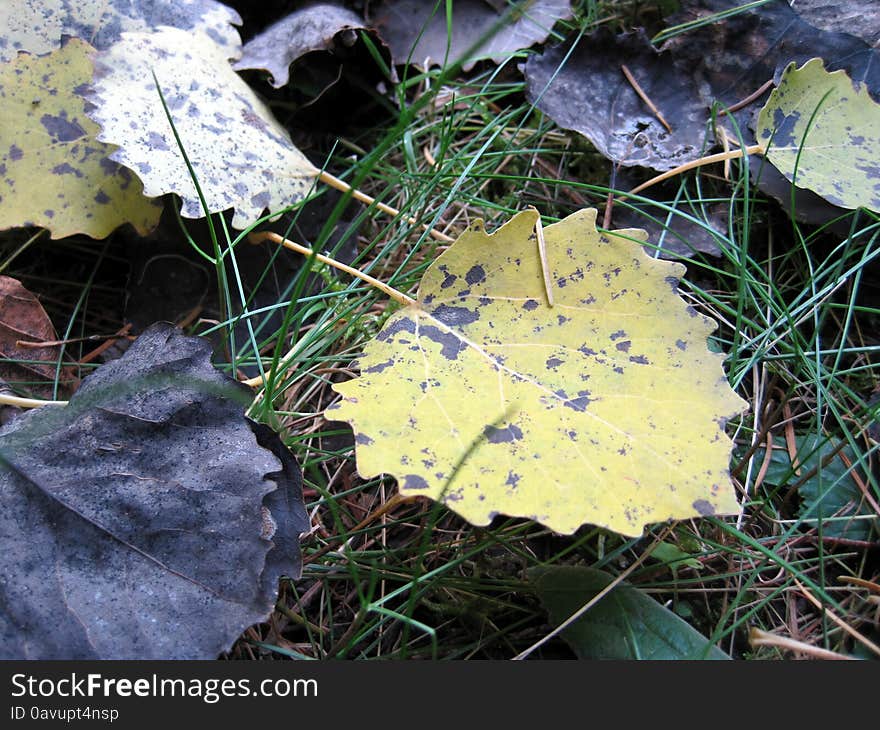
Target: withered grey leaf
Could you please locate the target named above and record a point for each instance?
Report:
(860, 18)
(313, 28)
(730, 59)
(586, 91)
(416, 31)
(675, 235)
(284, 513)
(134, 519)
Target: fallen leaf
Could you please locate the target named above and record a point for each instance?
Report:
(680, 230)
(242, 157)
(313, 28)
(22, 318)
(416, 31)
(731, 59)
(606, 408)
(53, 171)
(585, 90)
(624, 624)
(37, 26)
(142, 520)
(823, 134)
(860, 18)
(823, 472)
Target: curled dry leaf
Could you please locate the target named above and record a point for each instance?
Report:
(313, 28)
(860, 18)
(605, 408)
(160, 529)
(31, 370)
(729, 60)
(242, 157)
(416, 31)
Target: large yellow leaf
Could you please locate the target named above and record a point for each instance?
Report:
(606, 408)
(53, 172)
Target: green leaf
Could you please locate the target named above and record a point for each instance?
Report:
(604, 408)
(624, 624)
(53, 172)
(830, 492)
(242, 157)
(675, 557)
(823, 133)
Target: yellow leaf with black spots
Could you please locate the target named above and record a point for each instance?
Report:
(54, 173)
(605, 408)
(822, 131)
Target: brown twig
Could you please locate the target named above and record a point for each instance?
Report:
(644, 97)
(749, 99)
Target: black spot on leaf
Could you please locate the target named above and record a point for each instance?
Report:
(414, 481)
(703, 507)
(380, 366)
(454, 316)
(401, 325)
(475, 275)
(502, 435)
(451, 345)
(66, 169)
(60, 128)
(531, 305)
(363, 439)
(157, 141)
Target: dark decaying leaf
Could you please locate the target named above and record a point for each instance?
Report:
(860, 18)
(137, 522)
(682, 233)
(417, 33)
(729, 60)
(314, 28)
(37, 26)
(23, 319)
(585, 90)
(625, 624)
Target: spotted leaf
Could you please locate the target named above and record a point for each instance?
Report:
(242, 157)
(605, 408)
(37, 26)
(54, 173)
(822, 132)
